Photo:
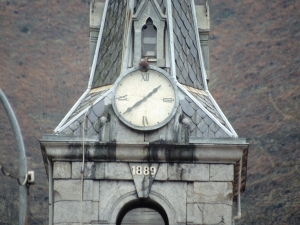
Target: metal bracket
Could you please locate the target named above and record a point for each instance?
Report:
(30, 179)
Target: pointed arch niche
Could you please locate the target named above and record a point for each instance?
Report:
(149, 40)
(149, 34)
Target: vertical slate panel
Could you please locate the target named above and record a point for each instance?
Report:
(187, 61)
(110, 54)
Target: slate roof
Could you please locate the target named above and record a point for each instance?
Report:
(208, 102)
(91, 101)
(110, 54)
(162, 4)
(204, 124)
(188, 68)
(92, 122)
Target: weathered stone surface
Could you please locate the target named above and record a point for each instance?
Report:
(62, 170)
(70, 224)
(112, 192)
(188, 172)
(190, 213)
(70, 212)
(95, 210)
(143, 177)
(71, 190)
(125, 135)
(119, 171)
(172, 194)
(89, 170)
(100, 170)
(162, 172)
(213, 192)
(113, 171)
(167, 133)
(190, 192)
(221, 172)
(124, 152)
(96, 191)
(212, 214)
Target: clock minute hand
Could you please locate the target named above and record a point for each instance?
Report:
(153, 91)
(142, 100)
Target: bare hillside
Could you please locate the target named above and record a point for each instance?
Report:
(255, 69)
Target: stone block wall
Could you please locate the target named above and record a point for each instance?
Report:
(189, 193)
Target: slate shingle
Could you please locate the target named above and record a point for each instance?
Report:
(110, 53)
(188, 70)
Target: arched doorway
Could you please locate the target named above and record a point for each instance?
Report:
(142, 211)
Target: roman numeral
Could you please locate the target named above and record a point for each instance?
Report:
(145, 76)
(169, 100)
(122, 98)
(145, 121)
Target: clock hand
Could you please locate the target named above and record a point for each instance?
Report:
(153, 91)
(142, 100)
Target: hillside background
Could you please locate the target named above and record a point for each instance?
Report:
(255, 78)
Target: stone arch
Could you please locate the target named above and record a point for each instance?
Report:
(142, 203)
(123, 203)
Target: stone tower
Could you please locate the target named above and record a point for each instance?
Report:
(146, 143)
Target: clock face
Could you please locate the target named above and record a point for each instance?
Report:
(145, 100)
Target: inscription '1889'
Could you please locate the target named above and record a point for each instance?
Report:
(143, 170)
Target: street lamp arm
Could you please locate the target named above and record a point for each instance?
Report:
(22, 158)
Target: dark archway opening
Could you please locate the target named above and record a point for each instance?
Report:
(142, 205)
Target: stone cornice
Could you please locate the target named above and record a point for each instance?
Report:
(198, 151)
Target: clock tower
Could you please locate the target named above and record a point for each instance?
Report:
(146, 143)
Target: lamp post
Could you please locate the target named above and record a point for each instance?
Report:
(22, 159)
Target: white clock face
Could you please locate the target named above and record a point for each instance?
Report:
(145, 100)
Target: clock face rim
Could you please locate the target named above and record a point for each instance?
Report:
(152, 127)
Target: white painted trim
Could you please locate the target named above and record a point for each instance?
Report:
(205, 110)
(71, 111)
(84, 111)
(221, 113)
(127, 45)
(203, 70)
(93, 69)
(131, 6)
(171, 36)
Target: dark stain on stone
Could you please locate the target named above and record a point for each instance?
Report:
(170, 152)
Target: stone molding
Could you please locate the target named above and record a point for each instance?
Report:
(206, 152)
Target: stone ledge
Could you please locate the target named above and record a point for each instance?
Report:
(218, 152)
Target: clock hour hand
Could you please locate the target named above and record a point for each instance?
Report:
(142, 100)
